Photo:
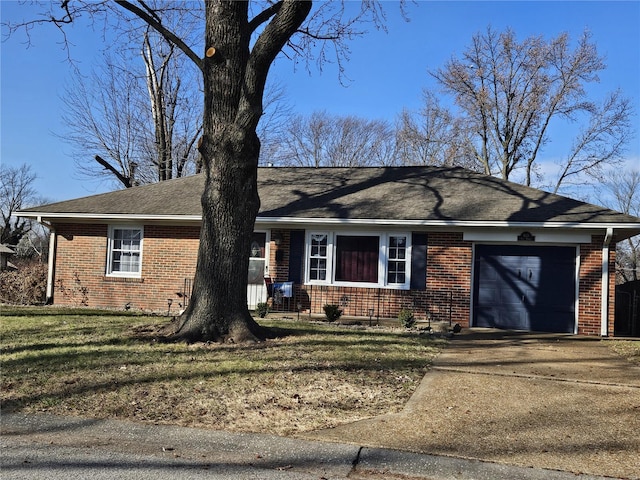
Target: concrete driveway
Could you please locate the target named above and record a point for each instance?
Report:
(536, 400)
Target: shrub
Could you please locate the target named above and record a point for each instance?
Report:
(25, 286)
(332, 312)
(262, 309)
(75, 291)
(407, 320)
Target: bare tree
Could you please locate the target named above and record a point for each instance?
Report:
(324, 140)
(240, 45)
(103, 119)
(143, 126)
(16, 192)
(136, 123)
(34, 244)
(165, 87)
(509, 92)
(622, 193)
(601, 142)
(433, 136)
(274, 121)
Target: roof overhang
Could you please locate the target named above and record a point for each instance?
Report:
(623, 230)
(107, 217)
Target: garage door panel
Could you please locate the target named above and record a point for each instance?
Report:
(488, 295)
(510, 297)
(490, 273)
(503, 318)
(553, 321)
(525, 287)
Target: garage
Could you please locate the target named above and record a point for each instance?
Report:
(525, 288)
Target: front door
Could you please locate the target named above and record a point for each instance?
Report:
(256, 287)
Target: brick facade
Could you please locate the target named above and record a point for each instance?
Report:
(449, 260)
(169, 258)
(590, 291)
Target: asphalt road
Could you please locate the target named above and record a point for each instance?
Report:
(48, 447)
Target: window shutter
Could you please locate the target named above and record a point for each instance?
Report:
(419, 261)
(296, 256)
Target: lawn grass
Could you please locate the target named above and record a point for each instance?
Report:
(629, 349)
(312, 376)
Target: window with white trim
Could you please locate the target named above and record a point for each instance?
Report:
(397, 259)
(359, 259)
(125, 251)
(318, 256)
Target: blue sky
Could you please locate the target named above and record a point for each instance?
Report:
(387, 72)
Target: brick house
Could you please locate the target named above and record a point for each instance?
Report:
(448, 243)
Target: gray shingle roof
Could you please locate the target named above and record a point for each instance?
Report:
(5, 249)
(421, 194)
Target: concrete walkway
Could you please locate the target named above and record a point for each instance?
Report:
(496, 406)
(535, 400)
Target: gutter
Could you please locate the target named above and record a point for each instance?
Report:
(604, 300)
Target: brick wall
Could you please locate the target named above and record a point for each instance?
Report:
(447, 297)
(590, 292)
(168, 258)
(279, 268)
(449, 260)
(359, 301)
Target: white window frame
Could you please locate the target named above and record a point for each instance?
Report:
(382, 259)
(110, 251)
(328, 258)
(407, 260)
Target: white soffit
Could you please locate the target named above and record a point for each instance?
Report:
(520, 235)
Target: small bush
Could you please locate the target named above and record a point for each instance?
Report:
(75, 291)
(332, 312)
(25, 286)
(262, 309)
(407, 320)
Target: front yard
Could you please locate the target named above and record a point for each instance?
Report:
(107, 365)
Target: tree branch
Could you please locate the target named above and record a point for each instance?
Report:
(276, 34)
(126, 181)
(165, 32)
(264, 16)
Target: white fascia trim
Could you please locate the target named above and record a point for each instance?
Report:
(111, 217)
(329, 221)
(441, 223)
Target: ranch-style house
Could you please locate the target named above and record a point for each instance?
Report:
(449, 244)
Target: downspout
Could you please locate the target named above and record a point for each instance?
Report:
(51, 260)
(604, 300)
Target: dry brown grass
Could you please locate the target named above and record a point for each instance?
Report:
(312, 376)
(629, 349)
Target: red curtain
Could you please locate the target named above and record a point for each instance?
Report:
(357, 258)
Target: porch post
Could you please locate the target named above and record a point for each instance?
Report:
(604, 288)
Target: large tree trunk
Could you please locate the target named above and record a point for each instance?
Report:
(218, 308)
(234, 80)
(230, 149)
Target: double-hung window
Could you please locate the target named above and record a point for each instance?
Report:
(359, 259)
(318, 256)
(125, 251)
(397, 260)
